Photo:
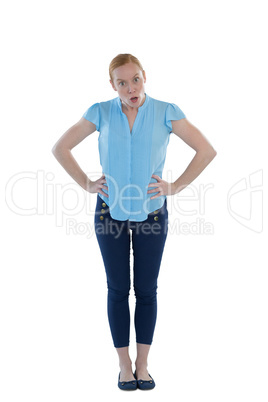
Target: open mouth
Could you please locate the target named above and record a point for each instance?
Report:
(134, 99)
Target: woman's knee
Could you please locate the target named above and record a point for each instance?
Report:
(145, 296)
(118, 295)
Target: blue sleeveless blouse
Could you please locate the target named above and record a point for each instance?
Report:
(129, 159)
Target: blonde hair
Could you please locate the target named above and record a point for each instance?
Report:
(122, 59)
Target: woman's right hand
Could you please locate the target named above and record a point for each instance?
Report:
(97, 186)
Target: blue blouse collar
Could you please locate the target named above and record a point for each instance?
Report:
(145, 104)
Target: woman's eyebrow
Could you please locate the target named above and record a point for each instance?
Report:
(120, 79)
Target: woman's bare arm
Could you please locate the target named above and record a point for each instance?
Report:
(62, 152)
(204, 152)
(204, 155)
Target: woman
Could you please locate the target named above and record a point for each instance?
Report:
(131, 199)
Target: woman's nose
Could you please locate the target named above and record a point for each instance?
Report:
(130, 89)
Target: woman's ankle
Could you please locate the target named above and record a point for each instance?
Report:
(125, 366)
(141, 365)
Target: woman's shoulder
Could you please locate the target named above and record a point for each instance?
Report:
(103, 106)
(108, 102)
(170, 109)
(104, 103)
(161, 103)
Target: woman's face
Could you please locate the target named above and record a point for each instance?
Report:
(128, 81)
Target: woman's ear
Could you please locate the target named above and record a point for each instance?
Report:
(111, 82)
(144, 75)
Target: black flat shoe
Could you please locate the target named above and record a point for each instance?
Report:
(145, 385)
(127, 385)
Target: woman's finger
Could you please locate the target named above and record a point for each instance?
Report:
(103, 193)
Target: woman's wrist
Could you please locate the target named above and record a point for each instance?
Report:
(177, 187)
(87, 185)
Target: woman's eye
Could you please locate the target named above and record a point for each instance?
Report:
(121, 83)
(136, 79)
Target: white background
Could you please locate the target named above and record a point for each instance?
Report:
(208, 57)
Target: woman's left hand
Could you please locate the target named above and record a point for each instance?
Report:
(162, 187)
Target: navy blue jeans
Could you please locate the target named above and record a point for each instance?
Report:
(148, 240)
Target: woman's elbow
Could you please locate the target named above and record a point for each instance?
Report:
(211, 153)
(57, 150)
(54, 150)
(208, 153)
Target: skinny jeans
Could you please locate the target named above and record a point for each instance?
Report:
(147, 239)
